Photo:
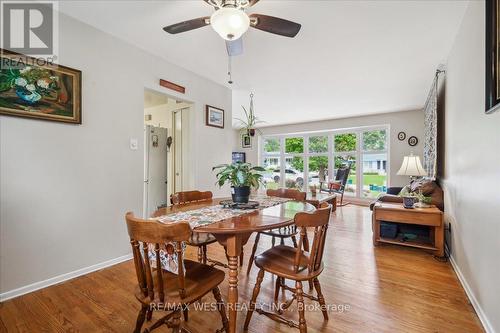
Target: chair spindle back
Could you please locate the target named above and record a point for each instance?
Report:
(319, 221)
(189, 196)
(287, 193)
(143, 233)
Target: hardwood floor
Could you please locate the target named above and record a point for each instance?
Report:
(387, 289)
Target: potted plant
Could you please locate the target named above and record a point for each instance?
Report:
(241, 176)
(248, 124)
(424, 201)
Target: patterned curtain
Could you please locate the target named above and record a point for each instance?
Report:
(430, 128)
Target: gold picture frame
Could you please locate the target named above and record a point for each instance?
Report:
(34, 88)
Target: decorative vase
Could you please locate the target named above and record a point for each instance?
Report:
(408, 202)
(30, 98)
(251, 131)
(240, 194)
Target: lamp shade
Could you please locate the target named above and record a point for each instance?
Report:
(230, 23)
(412, 167)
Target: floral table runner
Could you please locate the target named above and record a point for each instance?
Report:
(211, 214)
(201, 217)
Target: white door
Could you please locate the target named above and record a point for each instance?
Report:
(156, 175)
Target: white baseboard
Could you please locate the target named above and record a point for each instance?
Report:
(475, 304)
(61, 278)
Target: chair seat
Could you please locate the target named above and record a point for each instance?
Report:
(280, 260)
(201, 238)
(281, 232)
(199, 280)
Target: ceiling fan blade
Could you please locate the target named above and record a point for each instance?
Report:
(252, 2)
(274, 25)
(187, 25)
(212, 3)
(234, 47)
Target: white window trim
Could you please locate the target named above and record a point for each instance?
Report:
(359, 153)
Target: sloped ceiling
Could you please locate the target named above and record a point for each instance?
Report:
(351, 57)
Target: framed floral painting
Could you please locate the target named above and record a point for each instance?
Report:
(492, 55)
(33, 88)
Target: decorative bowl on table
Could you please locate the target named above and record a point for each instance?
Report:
(238, 205)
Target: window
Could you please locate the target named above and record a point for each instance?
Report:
(318, 160)
(345, 156)
(374, 163)
(318, 144)
(312, 159)
(272, 163)
(294, 163)
(272, 145)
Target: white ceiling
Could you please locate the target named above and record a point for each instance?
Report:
(350, 58)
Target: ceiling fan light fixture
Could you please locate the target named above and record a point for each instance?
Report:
(230, 23)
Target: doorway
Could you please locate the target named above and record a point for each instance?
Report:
(165, 148)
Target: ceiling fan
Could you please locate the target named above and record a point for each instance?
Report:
(230, 21)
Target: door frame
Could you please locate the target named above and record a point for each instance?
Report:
(145, 140)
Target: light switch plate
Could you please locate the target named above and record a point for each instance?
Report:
(134, 144)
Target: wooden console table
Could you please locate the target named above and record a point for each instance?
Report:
(395, 212)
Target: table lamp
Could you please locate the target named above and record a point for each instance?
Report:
(412, 167)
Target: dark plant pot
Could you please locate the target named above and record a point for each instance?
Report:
(240, 194)
(251, 131)
(409, 202)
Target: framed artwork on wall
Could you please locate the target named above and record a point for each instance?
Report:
(246, 141)
(215, 117)
(32, 89)
(492, 56)
(239, 157)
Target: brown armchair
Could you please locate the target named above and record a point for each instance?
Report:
(427, 187)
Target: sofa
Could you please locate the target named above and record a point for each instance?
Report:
(428, 188)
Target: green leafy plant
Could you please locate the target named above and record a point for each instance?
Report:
(423, 199)
(239, 174)
(249, 123)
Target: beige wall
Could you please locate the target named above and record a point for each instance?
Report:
(410, 122)
(65, 188)
(472, 170)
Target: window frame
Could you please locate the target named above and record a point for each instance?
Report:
(331, 153)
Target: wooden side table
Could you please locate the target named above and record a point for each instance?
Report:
(395, 212)
(319, 198)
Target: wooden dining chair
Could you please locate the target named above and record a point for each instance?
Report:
(160, 290)
(293, 263)
(281, 233)
(199, 239)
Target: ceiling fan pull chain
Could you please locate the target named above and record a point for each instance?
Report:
(229, 70)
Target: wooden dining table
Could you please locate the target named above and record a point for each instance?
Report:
(233, 233)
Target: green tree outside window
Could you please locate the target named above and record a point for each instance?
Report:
(374, 140)
(294, 145)
(345, 142)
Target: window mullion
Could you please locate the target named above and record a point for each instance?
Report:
(305, 160)
(359, 177)
(331, 157)
(282, 162)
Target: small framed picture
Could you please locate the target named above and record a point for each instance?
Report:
(246, 141)
(215, 117)
(413, 141)
(239, 157)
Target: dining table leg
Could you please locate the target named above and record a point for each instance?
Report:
(233, 251)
